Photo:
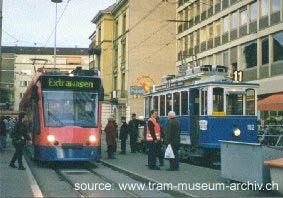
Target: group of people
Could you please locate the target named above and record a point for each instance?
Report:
(127, 129)
(155, 136)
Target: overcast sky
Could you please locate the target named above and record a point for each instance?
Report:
(32, 22)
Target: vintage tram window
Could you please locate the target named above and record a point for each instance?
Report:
(234, 104)
(162, 105)
(155, 103)
(176, 103)
(218, 99)
(168, 103)
(184, 102)
(203, 102)
(148, 106)
(250, 102)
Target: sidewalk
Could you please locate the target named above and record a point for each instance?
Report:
(134, 164)
(14, 182)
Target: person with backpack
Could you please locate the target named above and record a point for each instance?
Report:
(19, 138)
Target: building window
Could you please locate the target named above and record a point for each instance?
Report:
(226, 58)
(226, 24)
(275, 6)
(264, 8)
(217, 28)
(244, 17)
(123, 85)
(264, 51)
(234, 21)
(124, 22)
(116, 28)
(249, 55)
(278, 46)
(210, 31)
(123, 52)
(203, 34)
(254, 12)
(24, 83)
(21, 95)
(219, 58)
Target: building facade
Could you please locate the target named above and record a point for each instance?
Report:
(20, 63)
(143, 50)
(243, 35)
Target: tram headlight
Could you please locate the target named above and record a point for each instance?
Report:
(51, 138)
(236, 132)
(92, 138)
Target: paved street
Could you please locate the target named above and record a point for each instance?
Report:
(106, 179)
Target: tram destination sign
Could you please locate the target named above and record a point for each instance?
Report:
(66, 82)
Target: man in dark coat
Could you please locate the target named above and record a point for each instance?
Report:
(19, 139)
(172, 137)
(110, 131)
(124, 130)
(134, 131)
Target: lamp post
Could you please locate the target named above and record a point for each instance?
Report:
(56, 2)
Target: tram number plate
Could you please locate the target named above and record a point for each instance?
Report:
(251, 127)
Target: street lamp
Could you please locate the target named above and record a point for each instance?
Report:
(56, 2)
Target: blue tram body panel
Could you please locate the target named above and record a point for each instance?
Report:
(57, 153)
(221, 128)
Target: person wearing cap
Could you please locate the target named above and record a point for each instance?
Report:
(124, 131)
(134, 131)
(172, 136)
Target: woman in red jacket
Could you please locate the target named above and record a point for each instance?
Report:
(110, 138)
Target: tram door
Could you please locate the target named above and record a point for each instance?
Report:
(194, 115)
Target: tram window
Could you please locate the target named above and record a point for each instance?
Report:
(234, 104)
(162, 105)
(168, 103)
(204, 102)
(148, 106)
(176, 103)
(184, 102)
(218, 99)
(155, 103)
(250, 102)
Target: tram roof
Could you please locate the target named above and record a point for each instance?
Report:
(205, 84)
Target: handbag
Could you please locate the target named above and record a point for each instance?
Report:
(169, 154)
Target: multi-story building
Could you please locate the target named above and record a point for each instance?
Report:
(143, 50)
(243, 35)
(20, 63)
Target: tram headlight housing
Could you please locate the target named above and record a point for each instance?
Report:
(236, 132)
(92, 138)
(51, 138)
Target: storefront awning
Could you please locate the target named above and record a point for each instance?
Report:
(271, 103)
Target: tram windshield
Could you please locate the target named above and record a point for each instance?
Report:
(70, 108)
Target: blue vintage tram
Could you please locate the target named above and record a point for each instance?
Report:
(209, 106)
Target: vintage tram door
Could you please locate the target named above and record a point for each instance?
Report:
(194, 116)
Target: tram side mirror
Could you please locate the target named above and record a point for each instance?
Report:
(34, 93)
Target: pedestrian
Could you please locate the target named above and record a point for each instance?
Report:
(172, 136)
(124, 131)
(160, 145)
(2, 133)
(19, 138)
(152, 137)
(116, 132)
(134, 131)
(110, 138)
